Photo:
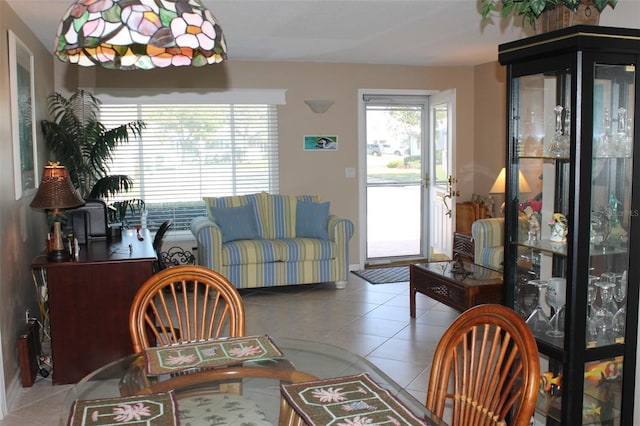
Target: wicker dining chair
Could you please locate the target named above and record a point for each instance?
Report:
(185, 304)
(191, 303)
(486, 370)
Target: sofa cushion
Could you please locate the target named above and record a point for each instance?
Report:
(277, 214)
(249, 251)
(236, 223)
(304, 249)
(312, 219)
(285, 250)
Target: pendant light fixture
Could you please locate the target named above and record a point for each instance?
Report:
(140, 34)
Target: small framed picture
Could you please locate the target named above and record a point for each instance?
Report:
(320, 143)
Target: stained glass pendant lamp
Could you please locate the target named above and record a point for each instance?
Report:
(140, 34)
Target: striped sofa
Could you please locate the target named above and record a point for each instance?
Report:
(279, 251)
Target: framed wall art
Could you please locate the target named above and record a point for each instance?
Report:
(23, 126)
(320, 143)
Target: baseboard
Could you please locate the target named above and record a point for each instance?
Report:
(12, 394)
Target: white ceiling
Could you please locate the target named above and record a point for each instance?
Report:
(419, 32)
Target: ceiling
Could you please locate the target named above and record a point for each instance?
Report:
(419, 32)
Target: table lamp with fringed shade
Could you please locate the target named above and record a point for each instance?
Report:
(500, 184)
(140, 34)
(56, 193)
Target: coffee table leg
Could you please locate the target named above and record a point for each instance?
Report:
(412, 301)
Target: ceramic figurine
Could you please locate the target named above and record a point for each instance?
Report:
(559, 225)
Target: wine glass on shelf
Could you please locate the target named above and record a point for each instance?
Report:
(592, 292)
(537, 320)
(620, 295)
(525, 295)
(603, 321)
(556, 298)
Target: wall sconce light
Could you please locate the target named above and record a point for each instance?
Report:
(319, 106)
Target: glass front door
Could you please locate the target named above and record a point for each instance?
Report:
(394, 178)
(408, 203)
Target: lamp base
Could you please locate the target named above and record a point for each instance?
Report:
(57, 250)
(58, 256)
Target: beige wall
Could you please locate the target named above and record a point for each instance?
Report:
(490, 127)
(23, 229)
(309, 172)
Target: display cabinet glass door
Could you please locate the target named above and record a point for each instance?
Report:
(542, 127)
(542, 123)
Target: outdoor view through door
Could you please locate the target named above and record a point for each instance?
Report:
(399, 200)
(394, 177)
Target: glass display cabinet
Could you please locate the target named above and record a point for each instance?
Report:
(571, 102)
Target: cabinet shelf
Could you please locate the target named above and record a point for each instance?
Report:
(545, 157)
(545, 246)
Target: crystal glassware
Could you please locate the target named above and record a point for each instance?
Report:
(605, 146)
(559, 146)
(537, 320)
(556, 298)
(620, 295)
(622, 143)
(603, 319)
(526, 296)
(592, 292)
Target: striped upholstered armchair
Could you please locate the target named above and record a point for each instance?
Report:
(488, 242)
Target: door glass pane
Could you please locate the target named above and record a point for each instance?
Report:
(394, 170)
(441, 137)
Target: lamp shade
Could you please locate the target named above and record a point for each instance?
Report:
(500, 183)
(56, 190)
(139, 34)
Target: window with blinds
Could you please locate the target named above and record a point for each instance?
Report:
(189, 151)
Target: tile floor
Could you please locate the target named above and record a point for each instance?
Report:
(370, 320)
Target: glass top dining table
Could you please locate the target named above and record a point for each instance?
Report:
(123, 378)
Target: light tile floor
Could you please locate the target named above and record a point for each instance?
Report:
(370, 320)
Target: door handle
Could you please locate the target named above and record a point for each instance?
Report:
(450, 194)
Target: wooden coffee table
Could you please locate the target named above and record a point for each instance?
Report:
(460, 290)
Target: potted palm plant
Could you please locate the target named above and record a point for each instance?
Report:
(571, 12)
(85, 146)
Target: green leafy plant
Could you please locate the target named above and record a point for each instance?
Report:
(85, 146)
(120, 209)
(530, 10)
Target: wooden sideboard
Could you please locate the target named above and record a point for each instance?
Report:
(89, 301)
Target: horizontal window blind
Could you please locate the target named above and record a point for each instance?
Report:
(189, 151)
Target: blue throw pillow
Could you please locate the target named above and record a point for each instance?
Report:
(312, 220)
(236, 223)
